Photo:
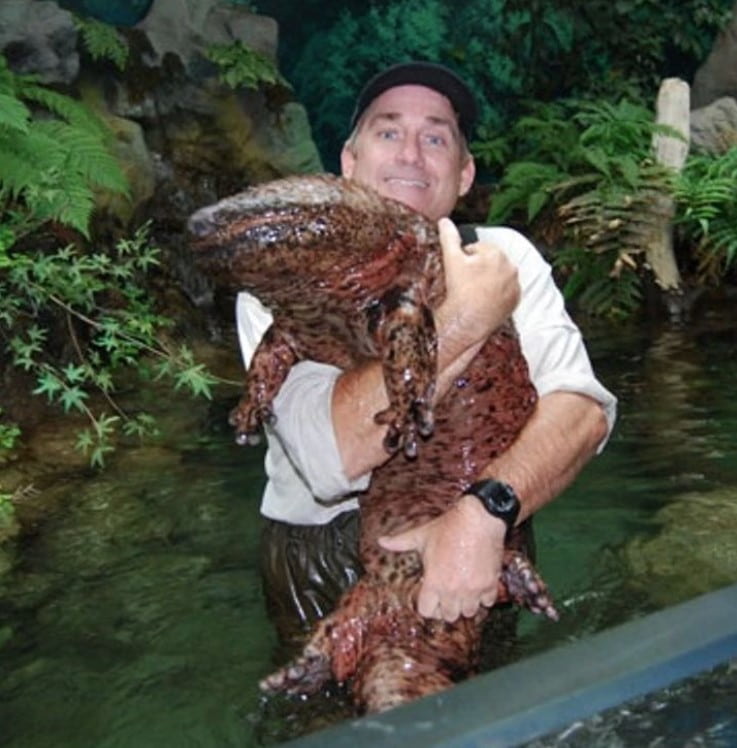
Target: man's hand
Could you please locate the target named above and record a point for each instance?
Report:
(481, 284)
(461, 553)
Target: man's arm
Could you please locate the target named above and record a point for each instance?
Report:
(462, 549)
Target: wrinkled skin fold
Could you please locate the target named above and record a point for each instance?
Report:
(349, 275)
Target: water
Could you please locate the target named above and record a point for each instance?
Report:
(134, 615)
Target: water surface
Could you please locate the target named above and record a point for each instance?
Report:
(134, 614)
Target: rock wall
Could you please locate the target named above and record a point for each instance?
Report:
(182, 136)
(714, 95)
(717, 77)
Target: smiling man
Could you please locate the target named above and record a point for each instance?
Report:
(409, 138)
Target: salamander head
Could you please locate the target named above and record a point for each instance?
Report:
(300, 225)
(266, 202)
(287, 203)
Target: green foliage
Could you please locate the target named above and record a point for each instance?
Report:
(7, 513)
(54, 153)
(587, 176)
(468, 37)
(78, 320)
(706, 197)
(569, 148)
(98, 300)
(509, 51)
(642, 41)
(102, 41)
(336, 62)
(9, 433)
(600, 289)
(241, 66)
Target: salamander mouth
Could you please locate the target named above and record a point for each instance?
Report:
(217, 221)
(201, 223)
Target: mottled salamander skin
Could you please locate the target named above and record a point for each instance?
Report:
(347, 274)
(350, 275)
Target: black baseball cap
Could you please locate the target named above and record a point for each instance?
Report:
(429, 74)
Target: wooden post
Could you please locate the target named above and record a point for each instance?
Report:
(672, 109)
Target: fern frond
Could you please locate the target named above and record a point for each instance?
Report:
(76, 208)
(86, 155)
(102, 41)
(526, 186)
(18, 171)
(71, 110)
(27, 158)
(14, 113)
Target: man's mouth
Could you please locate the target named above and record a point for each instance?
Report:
(407, 182)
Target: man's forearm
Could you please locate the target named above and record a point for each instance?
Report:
(563, 433)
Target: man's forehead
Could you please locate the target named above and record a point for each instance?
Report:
(413, 101)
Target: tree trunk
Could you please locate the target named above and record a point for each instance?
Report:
(672, 109)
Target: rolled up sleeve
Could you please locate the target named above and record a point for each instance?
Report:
(304, 426)
(302, 438)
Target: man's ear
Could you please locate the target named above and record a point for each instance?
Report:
(468, 173)
(347, 161)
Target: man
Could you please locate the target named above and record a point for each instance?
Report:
(409, 142)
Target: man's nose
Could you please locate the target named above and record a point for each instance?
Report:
(410, 151)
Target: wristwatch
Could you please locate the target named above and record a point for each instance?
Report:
(498, 498)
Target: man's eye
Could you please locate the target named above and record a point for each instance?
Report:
(387, 134)
(435, 140)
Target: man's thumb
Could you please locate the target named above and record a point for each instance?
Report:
(451, 240)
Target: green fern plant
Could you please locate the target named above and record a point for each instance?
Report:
(55, 154)
(706, 204)
(102, 41)
(601, 289)
(589, 180)
(242, 66)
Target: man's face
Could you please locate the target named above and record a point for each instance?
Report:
(408, 147)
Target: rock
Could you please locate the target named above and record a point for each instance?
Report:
(39, 37)
(714, 127)
(717, 77)
(184, 28)
(692, 553)
(129, 146)
(183, 137)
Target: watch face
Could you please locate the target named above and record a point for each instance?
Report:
(498, 498)
(506, 501)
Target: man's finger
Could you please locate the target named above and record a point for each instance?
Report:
(469, 608)
(488, 599)
(428, 604)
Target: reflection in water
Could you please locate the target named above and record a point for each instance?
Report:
(134, 615)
